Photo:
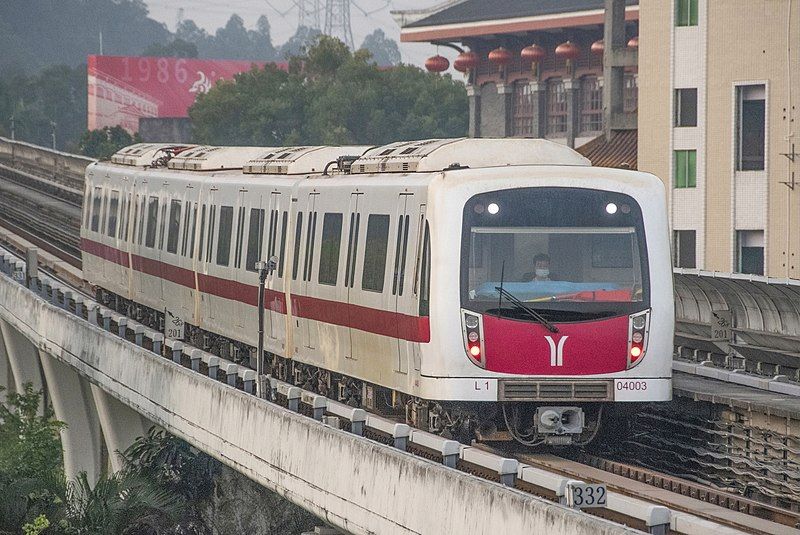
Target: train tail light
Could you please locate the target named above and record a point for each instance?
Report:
(472, 327)
(638, 330)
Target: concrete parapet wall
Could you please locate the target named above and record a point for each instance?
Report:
(68, 167)
(357, 485)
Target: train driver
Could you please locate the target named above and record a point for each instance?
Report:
(541, 268)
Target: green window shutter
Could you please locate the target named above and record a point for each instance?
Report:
(691, 169)
(680, 12)
(693, 12)
(680, 169)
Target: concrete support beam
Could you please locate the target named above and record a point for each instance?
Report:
(72, 403)
(6, 376)
(617, 56)
(22, 357)
(120, 424)
(538, 96)
(474, 97)
(572, 90)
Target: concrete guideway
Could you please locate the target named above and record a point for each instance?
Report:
(354, 484)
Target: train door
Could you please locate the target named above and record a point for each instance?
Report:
(419, 252)
(353, 234)
(307, 285)
(160, 257)
(401, 294)
(143, 201)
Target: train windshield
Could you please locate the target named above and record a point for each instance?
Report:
(571, 254)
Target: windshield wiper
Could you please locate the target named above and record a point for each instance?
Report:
(531, 312)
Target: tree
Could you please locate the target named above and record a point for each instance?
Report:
(177, 48)
(297, 44)
(384, 51)
(330, 96)
(104, 142)
(120, 504)
(31, 474)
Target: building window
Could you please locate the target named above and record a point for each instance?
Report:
(684, 244)
(750, 127)
(750, 251)
(685, 168)
(523, 109)
(556, 108)
(630, 92)
(591, 104)
(686, 107)
(686, 12)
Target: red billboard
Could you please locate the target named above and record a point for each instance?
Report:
(123, 89)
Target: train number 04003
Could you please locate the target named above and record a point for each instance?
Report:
(631, 385)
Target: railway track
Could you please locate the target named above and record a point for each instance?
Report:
(50, 220)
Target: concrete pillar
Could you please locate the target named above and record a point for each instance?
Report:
(6, 376)
(73, 405)
(474, 97)
(538, 95)
(120, 424)
(23, 358)
(572, 93)
(616, 57)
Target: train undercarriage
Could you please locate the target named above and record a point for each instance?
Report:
(526, 423)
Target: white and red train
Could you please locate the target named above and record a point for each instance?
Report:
(412, 276)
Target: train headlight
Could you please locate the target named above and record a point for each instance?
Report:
(493, 208)
(472, 329)
(611, 208)
(638, 329)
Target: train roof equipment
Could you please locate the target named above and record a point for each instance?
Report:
(438, 154)
(213, 158)
(299, 160)
(143, 154)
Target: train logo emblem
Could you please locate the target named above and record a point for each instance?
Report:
(556, 351)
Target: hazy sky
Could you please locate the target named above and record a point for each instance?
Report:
(283, 15)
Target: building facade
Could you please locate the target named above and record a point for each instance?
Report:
(717, 124)
(560, 96)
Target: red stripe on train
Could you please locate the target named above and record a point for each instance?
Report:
(372, 320)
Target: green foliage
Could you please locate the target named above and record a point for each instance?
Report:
(38, 33)
(106, 141)
(55, 95)
(31, 475)
(384, 51)
(232, 41)
(177, 48)
(120, 504)
(39, 524)
(330, 96)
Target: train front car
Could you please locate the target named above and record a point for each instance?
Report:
(563, 306)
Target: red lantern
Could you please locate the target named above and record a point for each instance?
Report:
(568, 51)
(500, 56)
(633, 42)
(437, 63)
(533, 53)
(598, 47)
(466, 61)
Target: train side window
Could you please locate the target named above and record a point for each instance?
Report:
(298, 232)
(377, 244)
(255, 237)
(135, 218)
(126, 216)
(97, 200)
(162, 229)
(273, 224)
(152, 220)
(185, 235)
(121, 217)
(212, 220)
(400, 256)
(193, 224)
(237, 260)
(224, 236)
(141, 218)
(113, 210)
(352, 250)
(425, 274)
(104, 214)
(284, 232)
(202, 233)
(331, 244)
(174, 226)
(311, 235)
